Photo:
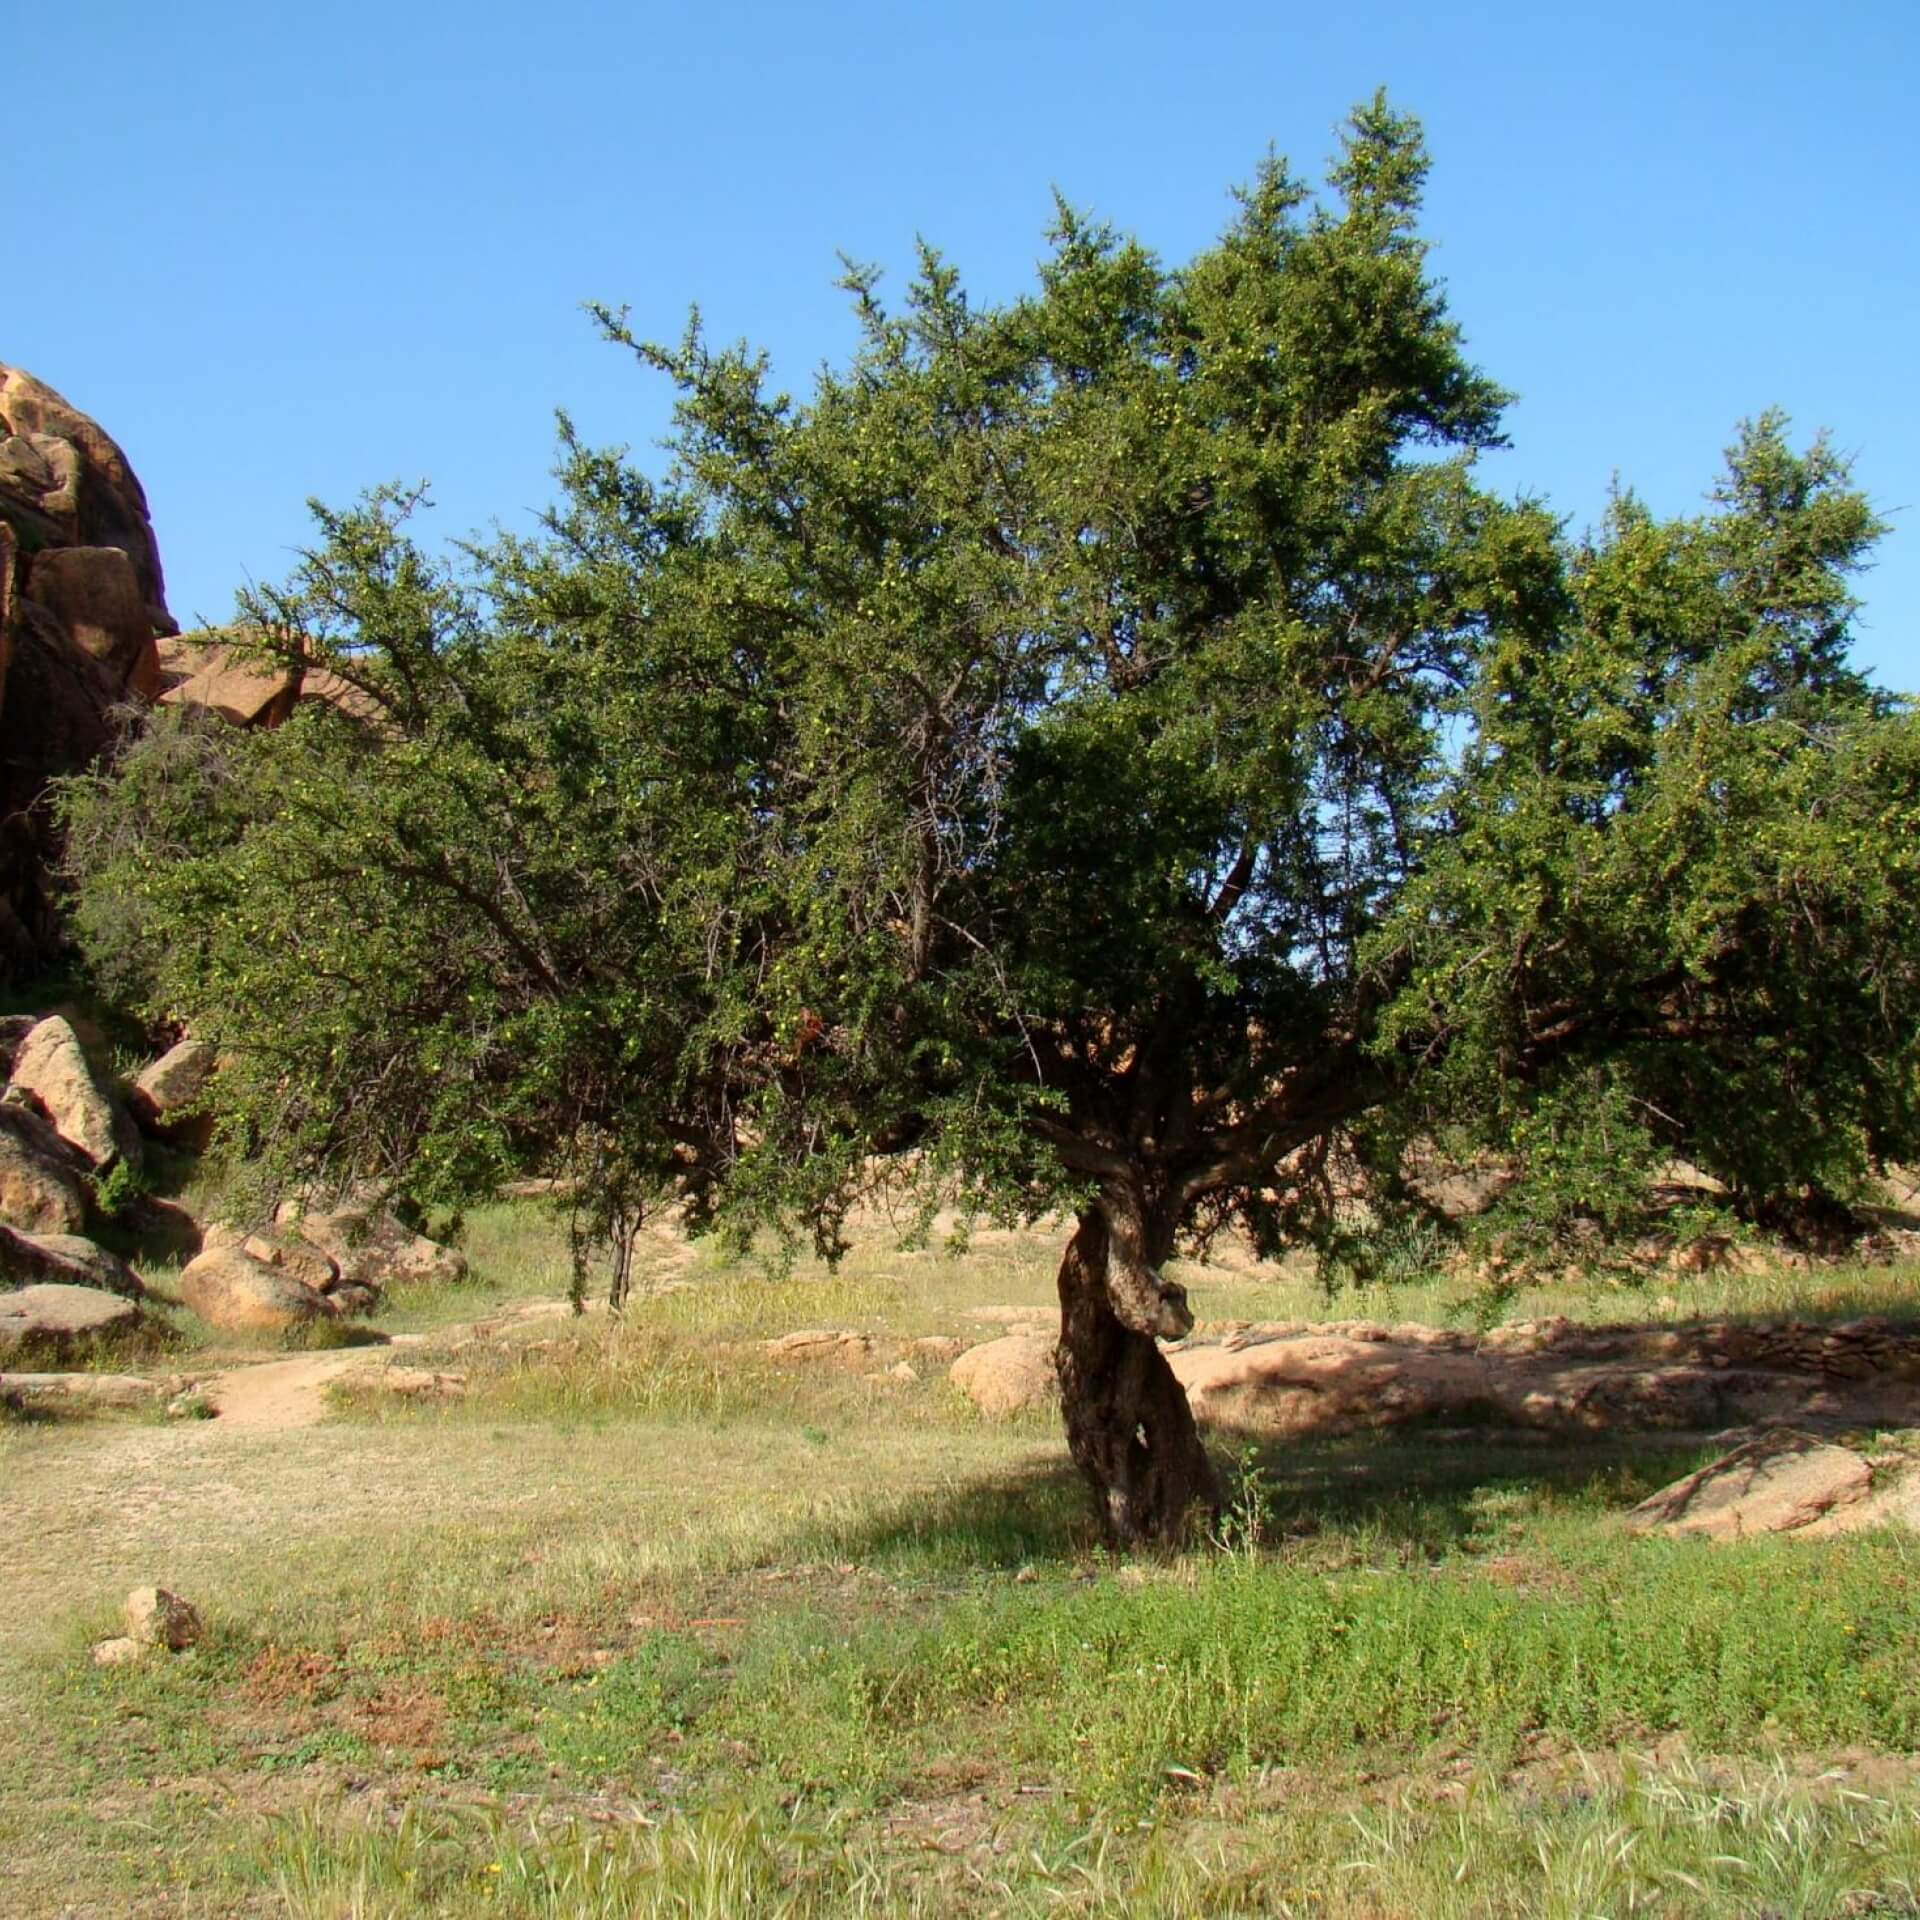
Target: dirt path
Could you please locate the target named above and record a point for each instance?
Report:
(274, 1396)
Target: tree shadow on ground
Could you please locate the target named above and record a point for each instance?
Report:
(1422, 1492)
(1405, 1494)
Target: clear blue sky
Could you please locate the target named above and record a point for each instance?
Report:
(285, 251)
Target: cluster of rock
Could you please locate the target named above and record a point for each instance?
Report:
(156, 1621)
(310, 1265)
(64, 1127)
(85, 635)
(61, 1128)
(1297, 1379)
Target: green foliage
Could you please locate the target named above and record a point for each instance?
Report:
(116, 1190)
(1109, 739)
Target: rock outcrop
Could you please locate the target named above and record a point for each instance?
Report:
(82, 605)
(1305, 1380)
(221, 676)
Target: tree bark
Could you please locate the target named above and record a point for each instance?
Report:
(1129, 1427)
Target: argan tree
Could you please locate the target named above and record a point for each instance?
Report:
(1103, 755)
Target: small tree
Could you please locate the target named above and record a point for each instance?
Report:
(1101, 754)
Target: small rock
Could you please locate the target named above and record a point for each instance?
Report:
(900, 1370)
(116, 1652)
(940, 1348)
(156, 1618)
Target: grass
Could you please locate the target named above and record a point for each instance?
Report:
(655, 1621)
(1677, 1843)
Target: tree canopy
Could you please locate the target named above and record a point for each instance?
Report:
(1106, 753)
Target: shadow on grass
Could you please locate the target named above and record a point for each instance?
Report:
(1424, 1492)
(1405, 1495)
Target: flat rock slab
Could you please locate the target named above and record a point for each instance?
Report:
(60, 1315)
(1783, 1482)
(813, 1343)
(1288, 1379)
(66, 1259)
(404, 1382)
(85, 1389)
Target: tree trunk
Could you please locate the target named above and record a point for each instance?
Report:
(1129, 1427)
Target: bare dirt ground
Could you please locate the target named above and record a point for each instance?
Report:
(273, 1396)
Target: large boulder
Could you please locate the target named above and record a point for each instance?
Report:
(161, 1095)
(228, 1288)
(1006, 1376)
(41, 1187)
(61, 1317)
(370, 1248)
(52, 1066)
(66, 1258)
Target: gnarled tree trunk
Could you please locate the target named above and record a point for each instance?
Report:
(1129, 1427)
